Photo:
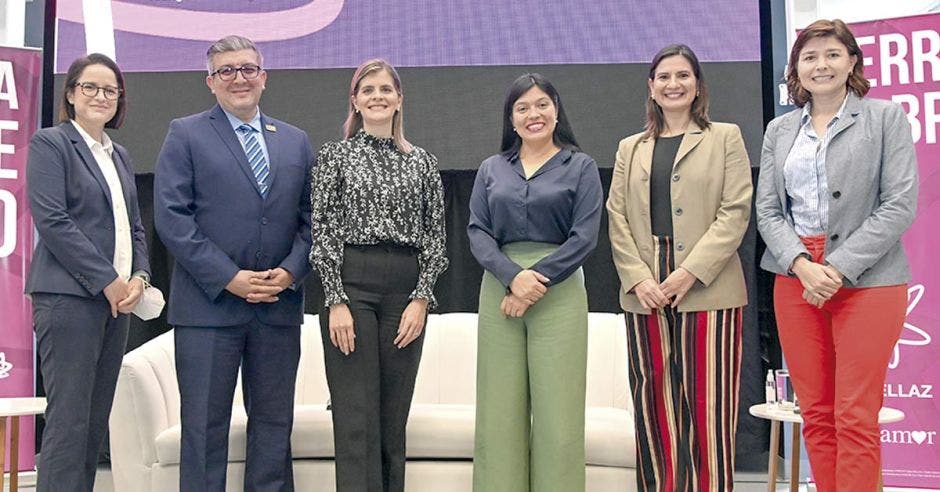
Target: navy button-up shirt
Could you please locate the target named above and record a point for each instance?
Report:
(559, 204)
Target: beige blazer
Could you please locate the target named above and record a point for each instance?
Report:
(711, 200)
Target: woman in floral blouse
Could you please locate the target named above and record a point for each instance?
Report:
(378, 244)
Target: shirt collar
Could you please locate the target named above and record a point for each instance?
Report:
(808, 108)
(255, 122)
(562, 155)
(560, 158)
(105, 143)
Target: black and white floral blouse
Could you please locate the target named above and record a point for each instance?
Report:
(367, 191)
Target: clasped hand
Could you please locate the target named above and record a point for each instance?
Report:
(260, 286)
(123, 295)
(526, 288)
(820, 282)
(669, 292)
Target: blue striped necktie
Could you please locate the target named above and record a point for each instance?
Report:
(259, 165)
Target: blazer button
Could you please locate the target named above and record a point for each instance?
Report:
(675, 177)
(264, 221)
(680, 247)
(678, 211)
(258, 255)
(836, 194)
(834, 237)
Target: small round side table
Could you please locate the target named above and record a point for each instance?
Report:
(14, 408)
(777, 415)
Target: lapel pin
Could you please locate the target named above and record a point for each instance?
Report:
(269, 127)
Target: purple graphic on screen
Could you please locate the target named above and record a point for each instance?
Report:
(216, 19)
(172, 35)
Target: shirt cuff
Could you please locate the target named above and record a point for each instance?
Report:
(804, 255)
(432, 301)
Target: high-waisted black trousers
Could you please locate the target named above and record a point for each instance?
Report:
(371, 388)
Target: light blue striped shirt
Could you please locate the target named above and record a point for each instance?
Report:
(804, 176)
(254, 123)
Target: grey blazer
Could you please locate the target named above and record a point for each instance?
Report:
(871, 170)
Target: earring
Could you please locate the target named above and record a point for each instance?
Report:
(356, 110)
(514, 129)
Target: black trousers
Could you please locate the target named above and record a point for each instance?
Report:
(80, 346)
(371, 388)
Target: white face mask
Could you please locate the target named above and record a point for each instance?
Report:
(151, 303)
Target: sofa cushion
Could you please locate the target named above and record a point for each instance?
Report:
(608, 437)
(441, 431)
(434, 431)
(312, 436)
(446, 431)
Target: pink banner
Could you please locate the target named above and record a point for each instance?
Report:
(902, 63)
(20, 75)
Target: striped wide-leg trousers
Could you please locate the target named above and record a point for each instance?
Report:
(684, 377)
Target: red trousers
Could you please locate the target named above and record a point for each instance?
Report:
(838, 358)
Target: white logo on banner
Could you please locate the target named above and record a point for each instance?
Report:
(914, 294)
(918, 437)
(4, 366)
(908, 391)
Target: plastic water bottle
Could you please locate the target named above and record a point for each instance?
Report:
(770, 389)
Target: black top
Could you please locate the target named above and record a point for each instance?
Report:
(664, 156)
(560, 204)
(367, 191)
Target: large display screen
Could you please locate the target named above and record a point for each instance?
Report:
(172, 35)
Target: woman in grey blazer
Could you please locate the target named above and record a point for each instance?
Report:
(837, 189)
(88, 270)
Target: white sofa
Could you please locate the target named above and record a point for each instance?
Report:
(145, 421)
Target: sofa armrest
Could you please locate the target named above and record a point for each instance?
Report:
(146, 402)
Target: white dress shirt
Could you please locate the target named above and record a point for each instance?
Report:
(804, 175)
(123, 248)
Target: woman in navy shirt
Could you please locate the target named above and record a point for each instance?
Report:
(534, 216)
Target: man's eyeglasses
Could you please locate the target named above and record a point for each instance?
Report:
(227, 72)
(91, 90)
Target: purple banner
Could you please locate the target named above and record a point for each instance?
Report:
(20, 74)
(901, 62)
(166, 35)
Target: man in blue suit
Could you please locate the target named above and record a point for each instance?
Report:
(232, 205)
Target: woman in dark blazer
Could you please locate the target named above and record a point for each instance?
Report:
(680, 201)
(88, 271)
(837, 189)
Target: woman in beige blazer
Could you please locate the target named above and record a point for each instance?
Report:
(679, 205)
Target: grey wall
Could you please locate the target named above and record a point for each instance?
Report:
(454, 112)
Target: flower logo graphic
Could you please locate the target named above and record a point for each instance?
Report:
(5, 366)
(911, 335)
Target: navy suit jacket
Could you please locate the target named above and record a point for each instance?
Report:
(210, 215)
(70, 203)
